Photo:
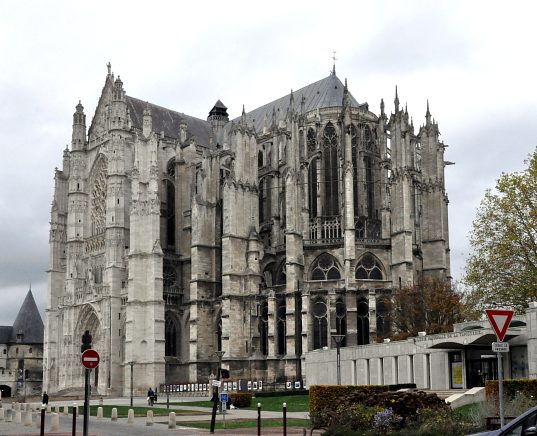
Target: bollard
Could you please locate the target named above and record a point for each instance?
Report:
(114, 414)
(9, 415)
(284, 419)
(172, 421)
(130, 416)
(28, 418)
(99, 412)
(75, 410)
(38, 419)
(18, 417)
(66, 410)
(42, 423)
(258, 419)
(1, 414)
(149, 418)
(55, 422)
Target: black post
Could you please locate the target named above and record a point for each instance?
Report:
(42, 430)
(284, 419)
(258, 419)
(86, 402)
(215, 394)
(132, 365)
(74, 420)
(338, 339)
(168, 398)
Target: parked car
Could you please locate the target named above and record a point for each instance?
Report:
(524, 425)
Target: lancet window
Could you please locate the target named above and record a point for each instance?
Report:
(169, 212)
(281, 314)
(362, 313)
(171, 337)
(263, 329)
(320, 324)
(341, 320)
(330, 171)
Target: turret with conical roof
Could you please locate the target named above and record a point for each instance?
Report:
(28, 326)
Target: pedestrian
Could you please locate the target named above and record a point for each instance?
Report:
(155, 395)
(150, 397)
(45, 399)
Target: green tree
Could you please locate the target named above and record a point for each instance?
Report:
(502, 267)
(432, 306)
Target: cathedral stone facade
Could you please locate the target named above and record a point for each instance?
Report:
(173, 237)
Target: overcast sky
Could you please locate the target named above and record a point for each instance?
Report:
(474, 60)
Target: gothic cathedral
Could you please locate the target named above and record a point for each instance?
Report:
(173, 237)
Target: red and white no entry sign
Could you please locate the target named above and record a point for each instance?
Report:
(90, 359)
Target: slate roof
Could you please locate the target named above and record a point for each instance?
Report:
(28, 322)
(168, 121)
(327, 92)
(5, 334)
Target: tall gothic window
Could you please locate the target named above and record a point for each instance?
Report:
(311, 140)
(281, 314)
(169, 186)
(369, 268)
(170, 337)
(325, 268)
(341, 320)
(370, 187)
(362, 312)
(383, 317)
(312, 188)
(320, 324)
(264, 199)
(263, 329)
(219, 332)
(355, 167)
(283, 208)
(330, 170)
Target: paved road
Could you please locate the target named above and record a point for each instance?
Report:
(105, 427)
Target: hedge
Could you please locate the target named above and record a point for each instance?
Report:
(240, 399)
(324, 396)
(527, 387)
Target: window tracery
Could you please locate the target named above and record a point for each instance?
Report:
(320, 324)
(369, 268)
(325, 268)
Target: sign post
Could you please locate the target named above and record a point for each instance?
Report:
(90, 359)
(499, 320)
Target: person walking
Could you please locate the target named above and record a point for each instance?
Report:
(45, 399)
(150, 397)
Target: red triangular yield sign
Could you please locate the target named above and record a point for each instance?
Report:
(500, 320)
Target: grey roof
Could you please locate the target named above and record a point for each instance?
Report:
(28, 322)
(168, 121)
(5, 334)
(327, 92)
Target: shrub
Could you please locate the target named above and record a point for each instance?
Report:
(511, 388)
(241, 400)
(444, 421)
(386, 420)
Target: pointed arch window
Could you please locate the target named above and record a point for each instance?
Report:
(313, 188)
(330, 171)
(219, 332)
(325, 268)
(169, 186)
(281, 314)
(355, 167)
(263, 329)
(369, 268)
(362, 313)
(341, 320)
(171, 336)
(320, 324)
(383, 317)
(311, 140)
(264, 199)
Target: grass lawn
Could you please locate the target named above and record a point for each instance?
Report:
(295, 403)
(301, 423)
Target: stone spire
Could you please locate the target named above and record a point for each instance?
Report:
(79, 128)
(396, 100)
(147, 125)
(427, 115)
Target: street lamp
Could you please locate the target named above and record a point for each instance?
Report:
(338, 339)
(131, 363)
(219, 354)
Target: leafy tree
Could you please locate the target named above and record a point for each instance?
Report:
(432, 306)
(502, 267)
